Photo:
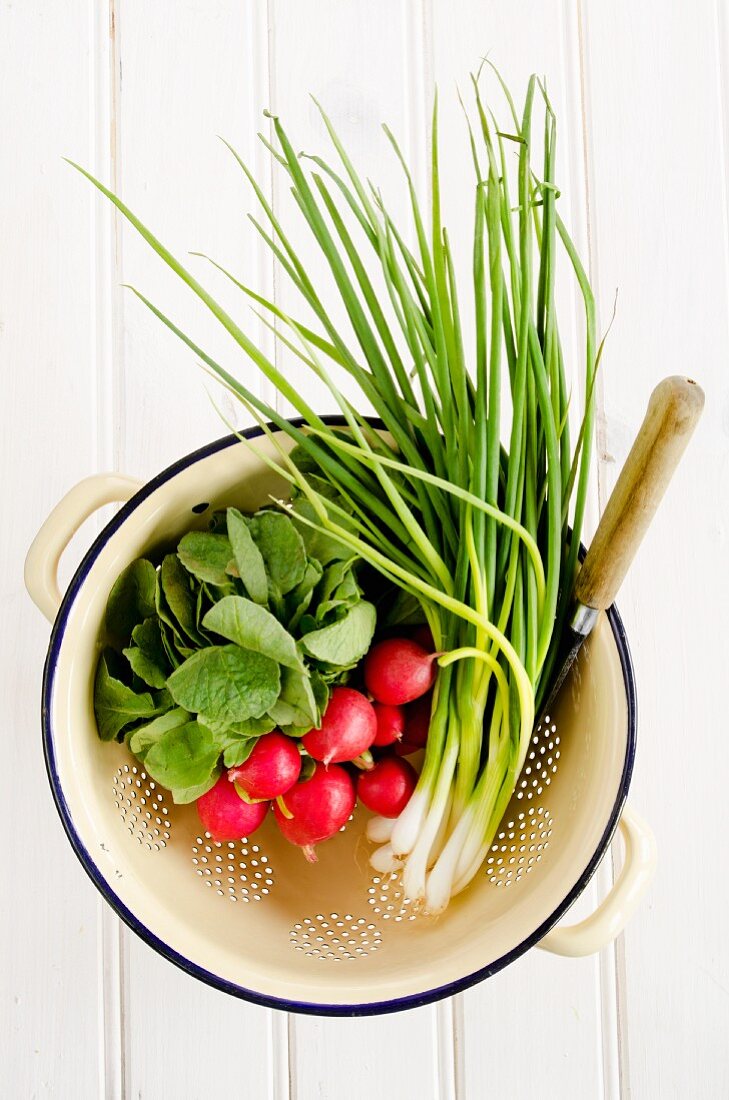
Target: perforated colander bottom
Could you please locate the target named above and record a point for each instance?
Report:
(142, 807)
(236, 869)
(332, 938)
(524, 836)
(519, 846)
(241, 871)
(541, 763)
(387, 898)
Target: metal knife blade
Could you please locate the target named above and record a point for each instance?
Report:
(576, 633)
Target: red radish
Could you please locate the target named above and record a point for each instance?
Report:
(398, 670)
(405, 748)
(348, 728)
(272, 767)
(225, 815)
(390, 724)
(387, 788)
(417, 720)
(423, 635)
(318, 807)
(417, 723)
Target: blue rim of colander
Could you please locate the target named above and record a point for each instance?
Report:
(396, 1004)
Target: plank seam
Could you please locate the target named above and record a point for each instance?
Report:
(591, 239)
(612, 974)
(419, 90)
(107, 346)
(459, 1033)
(263, 37)
(292, 1057)
(445, 1069)
(273, 188)
(722, 80)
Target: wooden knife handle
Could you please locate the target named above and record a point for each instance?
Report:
(673, 413)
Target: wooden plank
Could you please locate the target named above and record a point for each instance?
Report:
(658, 158)
(534, 1022)
(190, 71)
(542, 1016)
(49, 1016)
(197, 66)
(388, 1056)
(362, 77)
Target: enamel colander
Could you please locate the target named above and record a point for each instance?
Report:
(252, 917)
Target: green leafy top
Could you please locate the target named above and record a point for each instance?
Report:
(242, 630)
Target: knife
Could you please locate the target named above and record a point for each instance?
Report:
(673, 412)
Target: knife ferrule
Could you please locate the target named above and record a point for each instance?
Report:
(583, 619)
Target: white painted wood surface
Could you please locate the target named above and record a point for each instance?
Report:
(89, 381)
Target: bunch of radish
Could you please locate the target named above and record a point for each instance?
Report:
(374, 734)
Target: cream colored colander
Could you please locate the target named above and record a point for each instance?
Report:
(253, 917)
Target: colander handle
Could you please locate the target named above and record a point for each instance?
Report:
(614, 912)
(41, 563)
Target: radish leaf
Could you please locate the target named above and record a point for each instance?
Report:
(183, 757)
(228, 683)
(282, 548)
(248, 558)
(238, 750)
(179, 592)
(254, 628)
(346, 641)
(183, 795)
(143, 737)
(206, 556)
(131, 599)
(116, 705)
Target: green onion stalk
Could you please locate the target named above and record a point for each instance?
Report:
(471, 498)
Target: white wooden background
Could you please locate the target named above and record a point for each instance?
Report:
(137, 90)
